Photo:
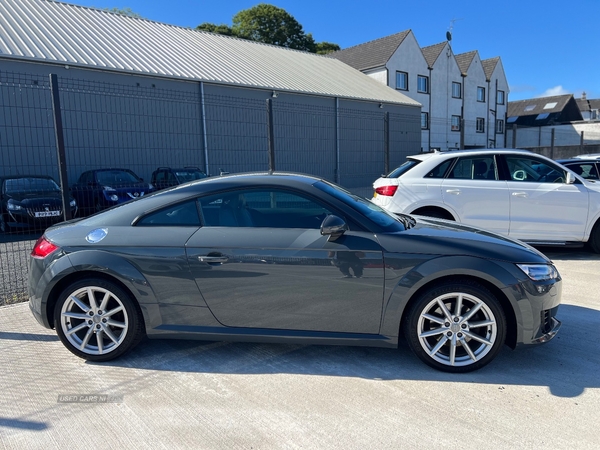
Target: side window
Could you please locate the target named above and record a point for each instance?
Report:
(179, 215)
(585, 170)
(523, 168)
(474, 168)
(440, 170)
(262, 208)
(160, 175)
(170, 177)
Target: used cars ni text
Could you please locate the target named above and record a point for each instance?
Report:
(288, 258)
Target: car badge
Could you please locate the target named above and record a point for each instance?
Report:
(96, 235)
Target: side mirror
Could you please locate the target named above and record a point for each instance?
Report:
(334, 227)
(570, 178)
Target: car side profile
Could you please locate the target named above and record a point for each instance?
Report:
(515, 193)
(290, 258)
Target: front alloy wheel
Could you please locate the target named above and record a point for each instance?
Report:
(456, 327)
(97, 320)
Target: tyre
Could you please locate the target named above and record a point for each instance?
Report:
(595, 238)
(456, 326)
(97, 320)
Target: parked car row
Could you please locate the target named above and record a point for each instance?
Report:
(35, 201)
(515, 193)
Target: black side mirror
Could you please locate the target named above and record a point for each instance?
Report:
(334, 227)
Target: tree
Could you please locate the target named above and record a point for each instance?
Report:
(124, 12)
(327, 47)
(272, 25)
(213, 28)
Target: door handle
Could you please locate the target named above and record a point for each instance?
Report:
(519, 194)
(453, 191)
(213, 259)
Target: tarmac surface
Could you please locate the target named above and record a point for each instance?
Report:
(215, 395)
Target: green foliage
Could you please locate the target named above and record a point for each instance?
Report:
(270, 25)
(213, 28)
(124, 12)
(327, 47)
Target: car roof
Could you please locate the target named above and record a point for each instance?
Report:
(577, 160)
(13, 177)
(478, 151)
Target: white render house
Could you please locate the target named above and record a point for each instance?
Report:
(463, 97)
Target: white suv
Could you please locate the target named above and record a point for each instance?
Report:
(516, 193)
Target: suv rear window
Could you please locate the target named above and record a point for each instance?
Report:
(405, 167)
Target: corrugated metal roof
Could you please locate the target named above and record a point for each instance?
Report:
(74, 35)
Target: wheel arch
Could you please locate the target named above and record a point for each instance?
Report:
(73, 277)
(427, 210)
(511, 319)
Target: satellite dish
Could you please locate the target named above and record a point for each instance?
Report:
(448, 36)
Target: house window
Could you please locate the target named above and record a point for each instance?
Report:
(500, 97)
(424, 121)
(480, 125)
(456, 90)
(455, 124)
(402, 81)
(480, 94)
(423, 84)
(500, 126)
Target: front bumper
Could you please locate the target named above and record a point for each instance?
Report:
(549, 335)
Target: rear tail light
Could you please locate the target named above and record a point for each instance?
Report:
(43, 247)
(387, 191)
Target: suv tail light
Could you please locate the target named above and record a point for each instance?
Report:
(43, 247)
(387, 191)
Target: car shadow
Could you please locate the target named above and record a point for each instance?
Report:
(567, 365)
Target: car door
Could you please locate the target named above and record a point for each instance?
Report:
(473, 190)
(542, 205)
(261, 262)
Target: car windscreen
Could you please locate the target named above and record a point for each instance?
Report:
(116, 176)
(30, 184)
(405, 167)
(386, 220)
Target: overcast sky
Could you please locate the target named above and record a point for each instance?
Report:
(547, 47)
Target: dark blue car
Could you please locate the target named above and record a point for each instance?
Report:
(100, 189)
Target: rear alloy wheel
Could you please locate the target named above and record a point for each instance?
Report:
(97, 320)
(456, 327)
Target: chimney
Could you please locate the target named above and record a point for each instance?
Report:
(583, 96)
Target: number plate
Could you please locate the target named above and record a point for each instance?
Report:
(47, 213)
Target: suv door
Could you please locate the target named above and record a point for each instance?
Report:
(475, 193)
(542, 205)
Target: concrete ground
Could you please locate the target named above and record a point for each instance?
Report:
(178, 394)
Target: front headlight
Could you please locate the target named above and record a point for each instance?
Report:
(539, 272)
(11, 206)
(72, 204)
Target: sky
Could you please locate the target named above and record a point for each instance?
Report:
(547, 47)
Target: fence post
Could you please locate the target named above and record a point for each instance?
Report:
(552, 143)
(60, 147)
(514, 136)
(386, 142)
(270, 135)
(581, 143)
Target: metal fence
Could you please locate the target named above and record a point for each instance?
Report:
(63, 127)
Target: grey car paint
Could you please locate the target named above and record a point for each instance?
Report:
(277, 285)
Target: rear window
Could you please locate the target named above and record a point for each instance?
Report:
(440, 170)
(399, 171)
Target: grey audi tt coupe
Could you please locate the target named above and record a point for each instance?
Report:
(281, 257)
